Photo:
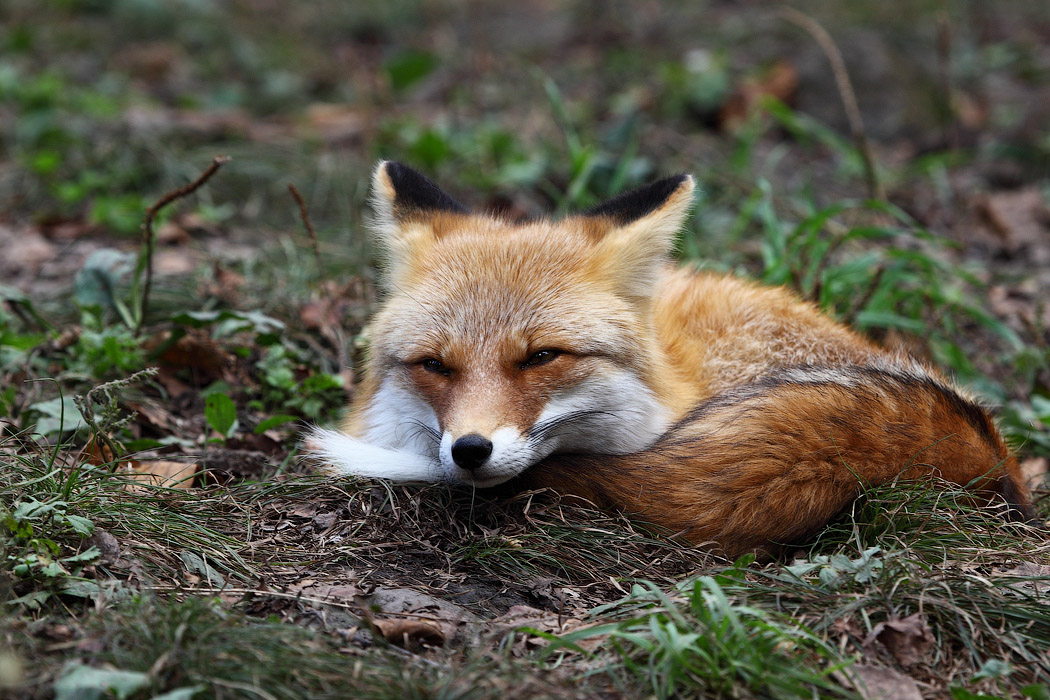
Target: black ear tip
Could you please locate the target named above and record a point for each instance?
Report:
(414, 191)
(634, 204)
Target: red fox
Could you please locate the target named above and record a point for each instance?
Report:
(572, 355)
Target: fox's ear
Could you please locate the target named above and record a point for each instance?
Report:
(672, 195)
(403, 200)
(641, 228)
(400, 194)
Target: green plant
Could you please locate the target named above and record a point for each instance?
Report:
(703, 640)
(32, 546)
(285, 388)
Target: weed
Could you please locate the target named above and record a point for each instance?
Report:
(701, 642)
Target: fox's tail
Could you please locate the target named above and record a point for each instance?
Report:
(770, 463)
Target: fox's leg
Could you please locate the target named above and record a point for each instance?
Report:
(771, 463)
(338, 453)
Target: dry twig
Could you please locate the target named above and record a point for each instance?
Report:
(845, 88)
(147, 229)
(337, 330)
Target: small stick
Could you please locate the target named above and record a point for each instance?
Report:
(147, 228)
(846, 94)
(337, 330)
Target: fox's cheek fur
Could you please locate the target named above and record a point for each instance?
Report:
(609, 412)
(400, 441)
(399, 418)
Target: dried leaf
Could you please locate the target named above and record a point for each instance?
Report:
(25, 251)
(196, 351)
(155, 413)
(408, 604)
(1020, 219)
(170, 233)
(163, 472)
(96, 452)
(225, 284)
(172, 384)
(412, 634)
(523, 616)
(779, 82)
(908, 639)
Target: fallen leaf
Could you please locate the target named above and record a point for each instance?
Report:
(172, 262)
(908, 639)
(879, 683)
(154, 413)
(170, 233)
(407, 604)
(96, 452)
(523, 616)
(412, 634)
(779, 82)
(162, 472)
(195, 351)
(1021, 221)
(175, 387)
(225, 284)
(66, 229)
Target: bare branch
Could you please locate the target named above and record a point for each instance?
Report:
(846, 94)
(147, 229)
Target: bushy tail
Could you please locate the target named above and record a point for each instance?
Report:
(770, 463)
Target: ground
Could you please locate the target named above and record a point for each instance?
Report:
(161, 535)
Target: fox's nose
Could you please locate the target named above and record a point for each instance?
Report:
(471, 451)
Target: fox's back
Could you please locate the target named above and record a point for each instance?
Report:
(720, 332)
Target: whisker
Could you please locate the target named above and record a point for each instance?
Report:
(424, 429)
(540, 430)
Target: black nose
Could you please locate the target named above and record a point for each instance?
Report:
(471, 451)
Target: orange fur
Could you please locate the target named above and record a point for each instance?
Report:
(770, 465)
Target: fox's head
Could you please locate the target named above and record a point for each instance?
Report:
(500, 343)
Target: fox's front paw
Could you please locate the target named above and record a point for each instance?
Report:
(335, 452)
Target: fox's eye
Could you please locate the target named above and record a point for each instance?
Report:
(540, 358)
(434, 365)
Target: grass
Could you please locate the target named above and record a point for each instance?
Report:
(114, 588)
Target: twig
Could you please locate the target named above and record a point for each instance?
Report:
(846, 94)
(337, 329)
(147, 229)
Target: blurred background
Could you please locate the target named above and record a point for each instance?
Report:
(937, 238)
